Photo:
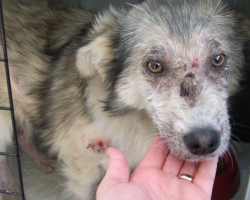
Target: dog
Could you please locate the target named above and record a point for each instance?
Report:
(85, 81)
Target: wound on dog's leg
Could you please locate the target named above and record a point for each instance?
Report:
(98, 146)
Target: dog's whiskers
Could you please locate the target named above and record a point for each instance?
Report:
(237, 144)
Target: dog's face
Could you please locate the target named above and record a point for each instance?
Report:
(176, 60)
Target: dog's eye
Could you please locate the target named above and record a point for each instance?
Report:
(155, 67)
(219, 60)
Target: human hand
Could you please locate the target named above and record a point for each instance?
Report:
(156, 177)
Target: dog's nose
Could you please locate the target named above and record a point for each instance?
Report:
(201, 141)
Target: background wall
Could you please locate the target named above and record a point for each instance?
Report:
(98, 4)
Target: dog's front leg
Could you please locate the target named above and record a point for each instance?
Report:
(84, 161)
(82, 182)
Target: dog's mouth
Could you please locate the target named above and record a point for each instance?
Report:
(198, 143)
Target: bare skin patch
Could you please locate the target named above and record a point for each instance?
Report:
(189, 89)
(195, 63)
(46, 164)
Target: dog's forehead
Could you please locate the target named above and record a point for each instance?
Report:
(200, 46)
(197, 46)
(183, 31)
(178, 18)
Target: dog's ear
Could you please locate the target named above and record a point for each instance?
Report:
(93, 57)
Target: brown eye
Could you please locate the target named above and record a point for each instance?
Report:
(219, 60)
(155, 66)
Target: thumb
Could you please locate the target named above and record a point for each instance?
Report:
(117, 172)
(118, 166)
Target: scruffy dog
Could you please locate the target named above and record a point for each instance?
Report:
(83, 81)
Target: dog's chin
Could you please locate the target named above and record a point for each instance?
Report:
(177, 146)
(182, 153)
(193, 158)
(196, 158)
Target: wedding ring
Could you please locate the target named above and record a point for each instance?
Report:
(186, 176)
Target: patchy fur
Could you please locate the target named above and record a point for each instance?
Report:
(81, 82)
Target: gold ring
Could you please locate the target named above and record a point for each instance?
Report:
(186, 176)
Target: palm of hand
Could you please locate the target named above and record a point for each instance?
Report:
(156, 177)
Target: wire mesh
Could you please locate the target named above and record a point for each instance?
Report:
(11, 110)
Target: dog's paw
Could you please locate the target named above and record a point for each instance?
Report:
(98, 146)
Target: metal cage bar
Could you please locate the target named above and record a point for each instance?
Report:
(11, 109)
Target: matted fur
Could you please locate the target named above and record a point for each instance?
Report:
(80, 77)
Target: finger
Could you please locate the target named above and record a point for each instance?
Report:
(173, 165)
(118, 166)
(205, 175)
(189, 168)
(155, 156)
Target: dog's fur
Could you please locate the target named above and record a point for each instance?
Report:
(81, 83)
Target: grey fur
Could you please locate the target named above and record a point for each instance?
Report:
(79, 78)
